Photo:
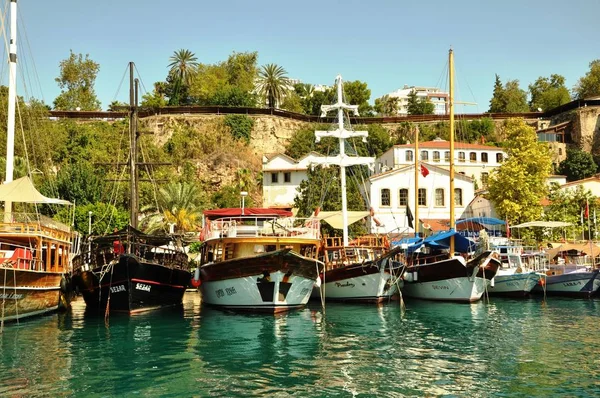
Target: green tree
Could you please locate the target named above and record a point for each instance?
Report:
(104, 218)
(508, 99)
(79, 183)
(177, 203)
(229, 196)
(242, 70)
(358, 93)
(518, 185)
(182, 68)
(548, 93)
(292, 102)
(76, 82)
(419, 106)
(273, 84)
(386, 106)
(232, 96)
(577, 165)
(589, 85)
(240, 126)
(568, 205)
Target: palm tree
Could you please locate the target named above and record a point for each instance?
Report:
(183, 66)
(273, 83)
(177, 203)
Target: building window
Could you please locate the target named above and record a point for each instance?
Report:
(473, 157)
(484, 157)
(461, 156)
(447, 156)
(484, 179)
(422, 197)
(409, 156)
(439, 197)
(287, 176)
(559, 151)
(274, 178)
(424, 155)
(385, 197)
(458, 199)
(436, 156)
(499, 158)
(403, 197)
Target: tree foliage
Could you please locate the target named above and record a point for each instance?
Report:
(358, 93)
(577, 165)
(76, 82)
(548, 93)
(589, 85)
(419, 106)
(273, 84)
(518, 185)
(509, 98)
(568, 205)
(386, 106)
(182, 67)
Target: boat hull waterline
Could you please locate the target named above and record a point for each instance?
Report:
(515, 285)
(273, 282)
(132, 286)
(574, 284)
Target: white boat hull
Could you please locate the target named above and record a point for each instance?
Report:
(575, 284)
(462, 289)
(251, 293)
(368, 288)
(514, 284)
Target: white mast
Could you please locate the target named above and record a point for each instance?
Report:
(342, 159)
(12, 96)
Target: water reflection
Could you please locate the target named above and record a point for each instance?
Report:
(506, 347)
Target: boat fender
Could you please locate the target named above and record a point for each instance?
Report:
(493, 282)
(196, 282)
(408, 276)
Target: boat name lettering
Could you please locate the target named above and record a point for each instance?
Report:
(305, 291)
(11, 296)
(440, 287)
(117, 289)
(230, 291)
(347, 284)
(143, 286)
(220, 293)
(574, 283)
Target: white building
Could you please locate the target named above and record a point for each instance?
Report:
(438, 98)
(282, 176)
(393, 190)
(473, 160)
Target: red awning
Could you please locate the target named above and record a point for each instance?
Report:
(248, 211)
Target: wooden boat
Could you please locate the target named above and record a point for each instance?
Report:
(258, 260)
(34, 250)
(434, 271)
(129, 271)
(361, 269)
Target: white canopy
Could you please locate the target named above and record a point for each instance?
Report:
(545, 224)
(22, 190)
(335, 219)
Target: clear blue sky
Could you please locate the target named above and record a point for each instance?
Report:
(384, 43)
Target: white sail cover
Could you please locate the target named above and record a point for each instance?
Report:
(544, 224)
(23, 191)
(336, 220)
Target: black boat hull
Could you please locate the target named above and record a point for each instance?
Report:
(131, 285)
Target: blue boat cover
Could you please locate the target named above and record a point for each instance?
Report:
(441, 240)
(482, 220)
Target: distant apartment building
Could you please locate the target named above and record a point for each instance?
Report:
(472, 160)
(438, 98)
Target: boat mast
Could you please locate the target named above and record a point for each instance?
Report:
(416, 220)
(133, 136)
(342, 159)
(12, 101)
(451, 108)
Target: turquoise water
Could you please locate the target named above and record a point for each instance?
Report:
(504, 348)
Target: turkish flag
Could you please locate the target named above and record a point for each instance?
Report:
(424, 171)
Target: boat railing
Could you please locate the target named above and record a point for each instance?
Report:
(164, 255)
(299, 228)
(32, 223)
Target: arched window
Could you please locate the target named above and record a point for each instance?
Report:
(484, 157)
(473, 157)
(461, 156)
(385, 197)
(447, 156)
(402, 197)
(499, 158)
(424, 155)
(436, 156)
(409, 156)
